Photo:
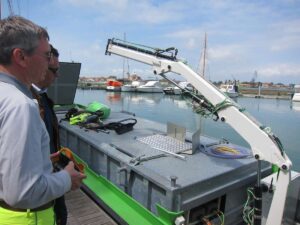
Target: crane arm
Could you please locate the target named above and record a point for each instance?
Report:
(264, 145)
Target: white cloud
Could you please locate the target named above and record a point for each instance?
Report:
(285, 43)
(189, 38)
(242, 36)
(285, 35)
(97, 4)
(186, 33)
(142, 11)
(191, 43)
(280, 70)
(154, 14)
(224, 52)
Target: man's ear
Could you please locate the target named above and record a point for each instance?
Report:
(19, 57)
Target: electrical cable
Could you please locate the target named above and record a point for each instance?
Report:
(248, 211)
(221, 217)
(273, 137)
(208, 110)
(207, 219)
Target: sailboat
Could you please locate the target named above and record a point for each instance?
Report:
(131, 87)
(231, 90)
(296, 95)
(173, 90)
(202, 60)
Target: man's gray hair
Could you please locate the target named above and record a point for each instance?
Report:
(18, 32)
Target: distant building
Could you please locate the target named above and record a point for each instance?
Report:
(112, 77)
(134, 77)
(245, 84)
(267, 85)
(164, 82)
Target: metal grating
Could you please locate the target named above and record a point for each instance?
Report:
(166, 143)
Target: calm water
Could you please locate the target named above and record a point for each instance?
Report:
(280, 115)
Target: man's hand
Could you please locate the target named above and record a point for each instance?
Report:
(76, 177)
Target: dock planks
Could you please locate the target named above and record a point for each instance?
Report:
(83, 211)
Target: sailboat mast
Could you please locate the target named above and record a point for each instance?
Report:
(204, 55)
(128, 72)
(0, 10)
(124, 60)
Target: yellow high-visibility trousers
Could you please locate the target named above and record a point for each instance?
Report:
(43, 217)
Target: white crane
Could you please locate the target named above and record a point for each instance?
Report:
(264, 144)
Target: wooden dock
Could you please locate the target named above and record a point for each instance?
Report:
(83, 211)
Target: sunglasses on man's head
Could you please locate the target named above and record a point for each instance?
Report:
(53, 70)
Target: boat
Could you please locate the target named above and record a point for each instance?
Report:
(113, 85)
(162, 174)
(131, 87)
(296, 95)
(203, 60)
(172, 90)
(231, 90)
(295, 105)
(150, 87)
(177, 89)
(153, 185)
(186, 85)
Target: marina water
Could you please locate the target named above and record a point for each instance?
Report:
(282, 116)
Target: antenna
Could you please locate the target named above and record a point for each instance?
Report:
(71, 56)
(19, 10)
(10, 7)
(128, 73)
(253, 78)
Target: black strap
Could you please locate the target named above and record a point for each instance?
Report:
(121, 126)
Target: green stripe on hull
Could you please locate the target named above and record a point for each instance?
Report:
(123, 205)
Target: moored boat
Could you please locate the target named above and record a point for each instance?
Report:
(296, 95)
(231, 90)
(131, 87)
(186, 85)
(150, 87)
(172, 90)
(113, 85)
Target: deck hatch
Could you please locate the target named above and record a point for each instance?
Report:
(166, 143)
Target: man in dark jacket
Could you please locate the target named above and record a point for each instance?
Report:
(48, 115)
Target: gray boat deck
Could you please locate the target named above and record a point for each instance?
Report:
(83, 211)
(151, 177)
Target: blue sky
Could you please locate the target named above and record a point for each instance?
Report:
(242, 36)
